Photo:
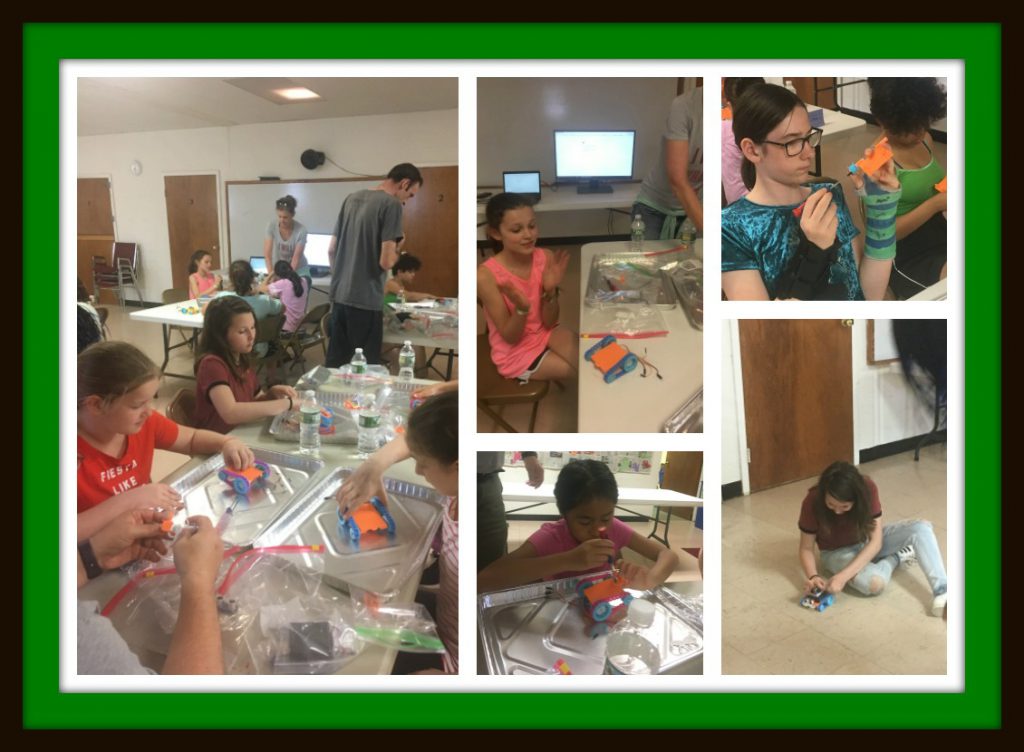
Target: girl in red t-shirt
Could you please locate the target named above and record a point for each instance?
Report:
(227, 390)
(842, 514)
(118, 431)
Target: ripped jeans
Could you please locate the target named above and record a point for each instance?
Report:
(918, 533)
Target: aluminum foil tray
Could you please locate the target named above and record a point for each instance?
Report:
(525, 630)
(379, 563)
(203, 493)
(285, 427)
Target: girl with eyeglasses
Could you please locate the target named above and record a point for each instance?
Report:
(788, 238)
(286, 239)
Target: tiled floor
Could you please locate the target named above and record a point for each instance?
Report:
(558, 410)
(764, 631)
(682, 534)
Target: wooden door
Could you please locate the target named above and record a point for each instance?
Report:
(798, 397)
(95, 228)
(682, 474)
(805, 90)
(192, 222)
(431, 221)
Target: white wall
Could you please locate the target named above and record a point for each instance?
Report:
(885, 408)
(370, 145)
(517, 117)
(517, 474)
(732, 449)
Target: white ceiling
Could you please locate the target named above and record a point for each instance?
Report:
(131, 105)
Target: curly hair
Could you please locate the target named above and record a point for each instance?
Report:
(905, 106)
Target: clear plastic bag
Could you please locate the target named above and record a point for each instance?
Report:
(280, 586)
(400, 626)
(625, 322)
(629, 278)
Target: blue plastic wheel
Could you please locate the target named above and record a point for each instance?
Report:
(630, 362)
(241, 486)
(601, 611)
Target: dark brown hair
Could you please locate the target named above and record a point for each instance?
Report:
(757, 111)
(843, 482)
(433, 428)
(497, 207)
(214, 338)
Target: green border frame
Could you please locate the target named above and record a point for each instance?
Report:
(978, 45)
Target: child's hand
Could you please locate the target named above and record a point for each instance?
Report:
(819, 221)
(554, 270)
(837, 583)
(637, 577)
(591, 553)
(236, 454)
(366, 482)
(280, 391)
(885, 176)
(514, 294)
(817, 581)
(151, 496)
(435, 389)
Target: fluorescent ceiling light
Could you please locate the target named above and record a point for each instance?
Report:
(296, 94)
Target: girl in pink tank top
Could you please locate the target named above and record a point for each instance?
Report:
(519, 291)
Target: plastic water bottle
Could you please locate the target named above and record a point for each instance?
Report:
(406, 362)
(368, 423)
(358, 361)
(687, 231)
(628, 651)
(636, 234)
(309, 424)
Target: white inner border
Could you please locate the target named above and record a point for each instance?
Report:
(468, 71)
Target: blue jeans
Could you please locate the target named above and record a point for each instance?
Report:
(894, 537)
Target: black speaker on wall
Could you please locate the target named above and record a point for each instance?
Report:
(311, 159)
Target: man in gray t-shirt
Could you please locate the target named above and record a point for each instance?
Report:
(362, 250)
(674, 187)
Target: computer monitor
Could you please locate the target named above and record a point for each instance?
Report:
(592, 157)
(316, 254)
(526, 183)
(258, 264)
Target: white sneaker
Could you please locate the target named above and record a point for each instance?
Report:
(907, 555)
(938, 604)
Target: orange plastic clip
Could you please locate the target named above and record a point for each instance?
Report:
(167, 525)
(869, 165)
(941, 186)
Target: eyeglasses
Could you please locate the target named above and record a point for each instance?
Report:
(794, 147)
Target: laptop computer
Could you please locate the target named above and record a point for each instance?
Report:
(525, 182)
(258, 264)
